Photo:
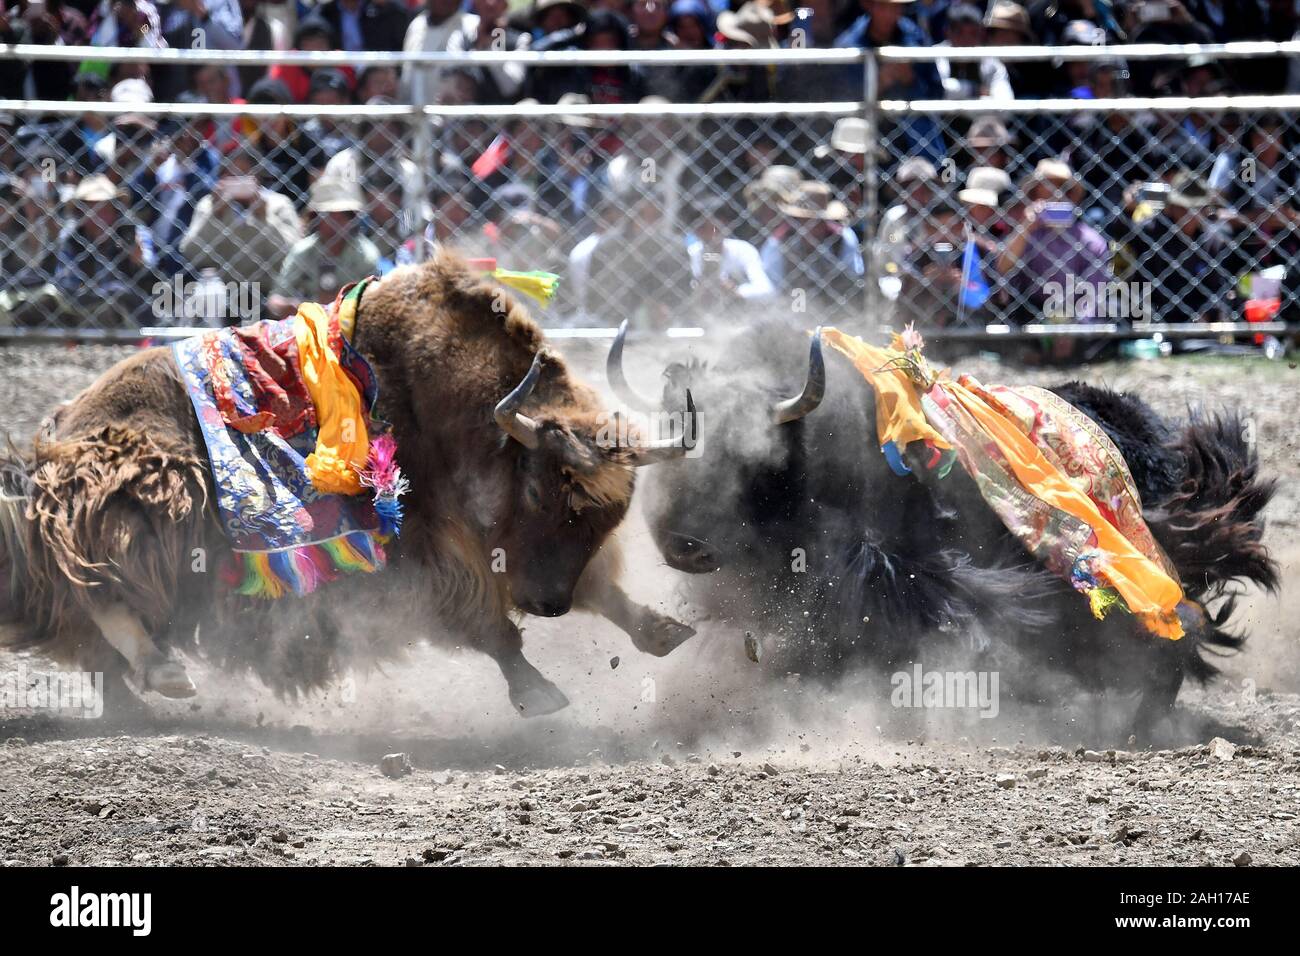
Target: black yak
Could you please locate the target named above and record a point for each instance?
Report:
(807, 532)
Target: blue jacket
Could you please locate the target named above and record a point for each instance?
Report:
(925, 77)
(921, 135)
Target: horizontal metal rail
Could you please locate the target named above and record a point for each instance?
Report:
(1099, 331)
(990, 333)
(1131, 104)
(470, 111)
(843, 56)
(1239, 50)
(826, 56)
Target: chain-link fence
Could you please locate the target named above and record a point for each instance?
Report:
(969, 218)
(1120, 214)
(197, 219)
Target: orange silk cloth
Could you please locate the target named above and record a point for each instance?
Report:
(1015, 442)
(899, 416)
(342, 442)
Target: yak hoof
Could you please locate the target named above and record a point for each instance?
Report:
(538, 698)
(169, 679)
(660, 635)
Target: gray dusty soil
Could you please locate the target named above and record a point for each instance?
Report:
(699, 758)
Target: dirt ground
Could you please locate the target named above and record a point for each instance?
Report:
(698, 758)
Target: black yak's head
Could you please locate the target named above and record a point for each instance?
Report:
(750, 476)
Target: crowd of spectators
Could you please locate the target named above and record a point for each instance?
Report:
(983, 215)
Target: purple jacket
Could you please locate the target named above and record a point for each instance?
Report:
(1062, 259)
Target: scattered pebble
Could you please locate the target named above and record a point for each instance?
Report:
(395, 765)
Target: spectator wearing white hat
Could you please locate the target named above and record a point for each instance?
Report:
(812, 252)
(382, 142)
(1051, 245)
(241, 229)
(105, 258)
(335, 254)
(915, 185)
(134, 143)
(980, 204)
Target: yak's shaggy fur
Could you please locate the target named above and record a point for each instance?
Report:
(1203, 498)
(898, 566)
(116, 493)
(119, 506)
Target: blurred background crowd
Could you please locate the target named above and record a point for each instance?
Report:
(982, 215)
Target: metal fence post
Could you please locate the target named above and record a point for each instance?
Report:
(870, 185)
(422, 153)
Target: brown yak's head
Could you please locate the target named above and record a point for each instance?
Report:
(571, 486)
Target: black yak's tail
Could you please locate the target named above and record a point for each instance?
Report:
(1212, 527)
(1207, 628)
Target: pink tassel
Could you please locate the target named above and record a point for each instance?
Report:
(385, 477)
(381, 464)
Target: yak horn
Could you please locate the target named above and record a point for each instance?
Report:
(617, 380)
(667, 449)
(793, 409)
(520, 427)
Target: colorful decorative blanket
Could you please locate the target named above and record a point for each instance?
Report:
(1052, 476)
(305, 485)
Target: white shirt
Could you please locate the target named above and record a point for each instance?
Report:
(509, 77)
(425, 37)
(993, 78)
(741, 265)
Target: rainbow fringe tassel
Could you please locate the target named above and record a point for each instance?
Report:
(274, 574)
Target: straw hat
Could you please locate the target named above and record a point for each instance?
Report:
(988, 131)
(979, 197)
(988, 177)
(1010, 16)
(97, 189)
(335, 194)
(813, 200)
(776, 183)
(916, 169)
(848, 136)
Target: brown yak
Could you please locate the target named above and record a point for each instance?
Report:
(112, 543)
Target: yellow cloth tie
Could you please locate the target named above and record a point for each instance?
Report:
(899, 416)
(342, 444)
